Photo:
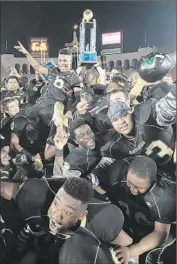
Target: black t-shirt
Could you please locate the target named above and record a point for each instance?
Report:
(58, 80)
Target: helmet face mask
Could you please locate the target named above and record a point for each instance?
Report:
(153, 67)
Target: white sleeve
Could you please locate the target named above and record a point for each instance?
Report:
(165, 109)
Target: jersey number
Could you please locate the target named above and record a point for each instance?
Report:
(162, 149)
(58, 83)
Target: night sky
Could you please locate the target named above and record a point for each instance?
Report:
(20, 20)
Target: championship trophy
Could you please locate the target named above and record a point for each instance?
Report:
(87, 41)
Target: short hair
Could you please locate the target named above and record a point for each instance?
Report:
(78, 188)
(13, 77)
(120, 79)
(76, 123)
(90, 75)
(64, 51)
(7, 101)
(124, 90)
(144, 167)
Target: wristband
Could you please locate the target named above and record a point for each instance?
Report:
(59, 153)
(27, 154)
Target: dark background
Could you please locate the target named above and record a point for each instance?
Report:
(54, 20)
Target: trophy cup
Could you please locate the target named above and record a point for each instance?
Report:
(87, 41)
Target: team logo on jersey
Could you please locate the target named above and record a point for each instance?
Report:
(12, 126)
(58, 83)
(35, 89)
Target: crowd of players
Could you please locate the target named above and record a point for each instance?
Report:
(88, 164)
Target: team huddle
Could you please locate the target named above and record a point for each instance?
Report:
(88, 164)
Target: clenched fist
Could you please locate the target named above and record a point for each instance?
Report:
(37, 162)
(82, 107)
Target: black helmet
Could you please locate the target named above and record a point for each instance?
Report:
(154, 66)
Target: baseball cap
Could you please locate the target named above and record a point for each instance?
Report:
(118, 109)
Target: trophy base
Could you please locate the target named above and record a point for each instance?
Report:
(88, 57)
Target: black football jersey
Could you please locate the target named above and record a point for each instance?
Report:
(36, 196)
(150, 139)
(141, 211)
(58, 80)
(92, 240)
(83, 160)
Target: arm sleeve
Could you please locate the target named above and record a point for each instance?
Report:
(163, 202)
(165, 109)
(166, 213)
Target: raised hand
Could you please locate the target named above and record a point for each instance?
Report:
(61, 138)
(82, 107)
(21, 48)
